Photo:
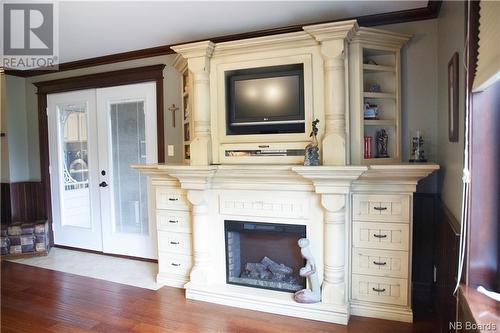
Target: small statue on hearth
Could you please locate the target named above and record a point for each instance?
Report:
(309, 271)
(381, 141)
(312, 149)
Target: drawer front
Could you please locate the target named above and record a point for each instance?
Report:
(380, 262)
(383, 236)
(173, 220)
(170, 198)
(380, 289)
(174, 264)
(384, 208)
(174, 242)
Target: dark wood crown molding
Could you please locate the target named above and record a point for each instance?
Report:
(409, 15)
(101, 80)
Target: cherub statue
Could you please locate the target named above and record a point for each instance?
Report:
(309, 271)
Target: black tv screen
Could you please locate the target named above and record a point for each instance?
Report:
(265, 100)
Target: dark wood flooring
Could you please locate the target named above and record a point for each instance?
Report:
(40, 300)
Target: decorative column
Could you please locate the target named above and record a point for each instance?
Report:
(334, 184)
(197, 182)
(333, 39)
(198, 57)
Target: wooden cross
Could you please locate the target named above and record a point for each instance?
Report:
(172, 109)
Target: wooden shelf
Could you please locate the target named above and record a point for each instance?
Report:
(380, 122)
(378, 68)
(379, 95)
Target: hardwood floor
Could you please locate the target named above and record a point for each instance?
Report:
(40, 300)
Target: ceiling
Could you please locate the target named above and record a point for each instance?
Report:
(91, 29)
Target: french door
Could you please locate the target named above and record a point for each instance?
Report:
(99, 202)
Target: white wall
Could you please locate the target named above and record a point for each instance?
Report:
(419, 66)
(172, 86)
(450, 154)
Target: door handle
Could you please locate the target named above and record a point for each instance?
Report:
(379, 236)
(103, 184)
(380, 208)
(380, 263)
(378, 290)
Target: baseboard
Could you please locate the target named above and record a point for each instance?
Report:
(284, 305)
(382, 312)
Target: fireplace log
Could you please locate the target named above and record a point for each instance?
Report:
(275, 268)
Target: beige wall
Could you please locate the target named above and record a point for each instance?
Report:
(23, 91)
(450, 154)
(4, 147)
(16, 129)
(419, 107)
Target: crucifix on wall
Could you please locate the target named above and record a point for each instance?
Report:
(172, 109)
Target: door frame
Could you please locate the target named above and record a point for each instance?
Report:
(93, 81)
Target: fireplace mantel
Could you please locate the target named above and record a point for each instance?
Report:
(320, 198)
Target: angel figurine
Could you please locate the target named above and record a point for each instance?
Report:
(309, 271)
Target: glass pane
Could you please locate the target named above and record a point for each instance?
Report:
(129, 147)
(75, 196)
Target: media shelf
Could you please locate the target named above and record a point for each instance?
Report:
(186, 108)
(375, 63)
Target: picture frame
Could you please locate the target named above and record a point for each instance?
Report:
(453, 98)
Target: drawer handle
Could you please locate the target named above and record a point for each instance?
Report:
(379, 290)
(380, 263)
(173, 221)
(174, 243)
(174, 264)
(380, 208)
(173, 199)
(379, 236)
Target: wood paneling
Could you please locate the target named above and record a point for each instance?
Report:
(22, 201)
(429, 12)
(5, 209)
(40, 300)
(425, 215)
(446, 261)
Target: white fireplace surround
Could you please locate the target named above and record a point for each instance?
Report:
(317, 197)
(352, 213)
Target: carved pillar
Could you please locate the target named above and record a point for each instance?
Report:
(200, 273)
(334, 185)
(198, 57)
(334, 283)
(333, 38)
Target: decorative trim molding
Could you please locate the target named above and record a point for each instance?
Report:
(333, 30)
(416, 14)
(374, 36)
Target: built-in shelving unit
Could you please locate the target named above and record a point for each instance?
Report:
(375, 64)
(186, 109)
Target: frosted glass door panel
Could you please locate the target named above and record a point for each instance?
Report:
(74, 169)
(128, 135)
(75, 195)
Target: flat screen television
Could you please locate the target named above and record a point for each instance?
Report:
(265, 100)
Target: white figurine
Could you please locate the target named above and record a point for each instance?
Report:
(309, 271)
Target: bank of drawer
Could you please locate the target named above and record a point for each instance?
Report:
(170, 198)
(174, 242)
(380, 289)
(380, 262)
(173, 220)
(383, 236)
(175, 263)
(384, 208)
